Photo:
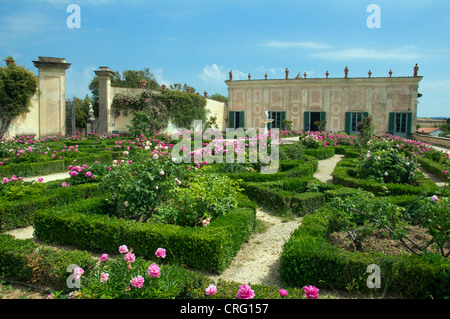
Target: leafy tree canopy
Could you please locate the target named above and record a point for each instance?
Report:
(81, 110)
(17, 87)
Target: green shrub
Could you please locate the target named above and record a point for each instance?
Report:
(33, 169)
(344, 174)
(308, 258)
(321, 153)
(26, 261)
(434, 168)
(19, 213)
(87, 225)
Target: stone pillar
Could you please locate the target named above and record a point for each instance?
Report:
(52, 100)
(104, 99)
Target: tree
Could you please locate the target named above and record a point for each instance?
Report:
(219, 97)
(184, 88)
(17, 87)
(81, 110)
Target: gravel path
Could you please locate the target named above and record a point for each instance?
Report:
(325, 169)
(258, 259)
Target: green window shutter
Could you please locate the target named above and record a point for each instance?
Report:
(282, 118)
(306, 120)
(269, 125)
(408, 124)
(366, 114)
(241, 119)
(323, 116)
(348, 120)
(391, 128)
(231, 119)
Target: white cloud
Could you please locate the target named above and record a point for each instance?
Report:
(402, 53)
(304, 45)
(213, 73)
(159, 76)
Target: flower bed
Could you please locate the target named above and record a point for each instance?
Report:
(344, 174)
(86, 226)
(309, 258)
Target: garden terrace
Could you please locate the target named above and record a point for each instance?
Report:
(79, 216)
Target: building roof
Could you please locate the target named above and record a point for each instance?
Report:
(428, 130)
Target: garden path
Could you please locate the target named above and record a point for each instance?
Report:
(258, 259)
(326, 167)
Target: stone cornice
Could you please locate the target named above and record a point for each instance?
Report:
(104, 71)
(407, 80)
(51, 63)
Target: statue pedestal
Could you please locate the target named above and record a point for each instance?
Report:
(90, 126)
(265, 122)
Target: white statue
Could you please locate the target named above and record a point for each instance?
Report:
(91, 112)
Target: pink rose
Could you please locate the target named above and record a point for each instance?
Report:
(435, 198)
(245, 292)
(104, 257)
(160, 252)
(77, 272)
(153, 270)
(123, 249)
(129, 257)
(137, 282)
(40, 179)
(311, 292)
(211, 290)
(283, 292)
(104, 277)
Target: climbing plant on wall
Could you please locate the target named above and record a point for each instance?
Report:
(182, 108)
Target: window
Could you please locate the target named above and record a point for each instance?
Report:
(351, 121)
(356, 118)
(400, 124)
(236, 119)
(278, 118)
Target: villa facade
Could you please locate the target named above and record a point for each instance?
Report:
(341, 102)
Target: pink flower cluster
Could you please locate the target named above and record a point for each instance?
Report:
(153, 270)
(13, 179)
(74, 171)
(311, 292)
(245, 292)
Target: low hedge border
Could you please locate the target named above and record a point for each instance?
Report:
(342, 175)
(24, 260)
(19, 213)
(86, 226)
(308, 259)
(320, 153)
(434, 168)
(51, 167)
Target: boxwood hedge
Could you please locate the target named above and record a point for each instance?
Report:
(309, 259)
(344, 173)
(86, 225)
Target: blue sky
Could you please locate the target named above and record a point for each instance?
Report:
(199, 42)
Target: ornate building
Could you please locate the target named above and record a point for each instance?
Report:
(341, 102)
